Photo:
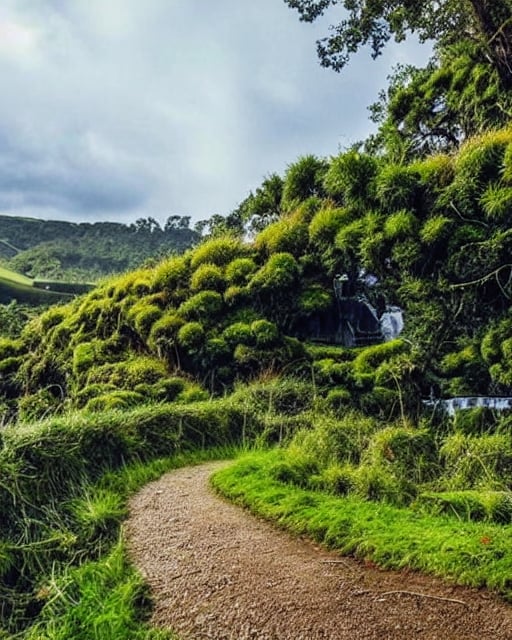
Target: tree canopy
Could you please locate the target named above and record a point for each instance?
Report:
(368, 22)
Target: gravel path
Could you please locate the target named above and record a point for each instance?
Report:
(216, 572)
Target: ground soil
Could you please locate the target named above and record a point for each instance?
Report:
(216, 572)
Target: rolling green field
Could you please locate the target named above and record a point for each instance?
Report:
(16, 286)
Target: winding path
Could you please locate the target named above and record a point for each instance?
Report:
(216, 572)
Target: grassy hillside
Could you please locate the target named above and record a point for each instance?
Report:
(16, 286)
(83, 252)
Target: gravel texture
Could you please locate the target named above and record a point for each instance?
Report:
(216, 572)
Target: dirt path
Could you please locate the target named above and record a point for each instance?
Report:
(216, 572)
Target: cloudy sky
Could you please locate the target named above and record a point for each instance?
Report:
(117, 109)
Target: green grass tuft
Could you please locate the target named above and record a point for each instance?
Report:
(470, 553)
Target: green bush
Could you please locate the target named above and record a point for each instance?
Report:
(435, 229)
(238, 333)
(219, 251)
(315, 299)
(207, 276)
(265, 333)
(164, 331)
(172, 273)
(351, 178)
(496, 202)
(119, 399)
(191, 336)
(203, 306)
(280, 272)
(145, 317)
(397, 187)
(483, 461)
(303, 179)
(239, 271)
(285, 235)
(400, 224)
(326, 224)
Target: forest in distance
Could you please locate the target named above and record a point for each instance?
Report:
(207, 342)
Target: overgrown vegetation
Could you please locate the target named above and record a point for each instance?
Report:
(214, 347)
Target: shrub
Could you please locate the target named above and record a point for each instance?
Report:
(496, 202)
(145, 316)
(283, 235)
(280, 272)
(191, 336)
(202, 306)
(477, 461)
(397, 187)
(238, 333)
(164, 331)
(400, 225)
(219, 251)
(315, 299)
(326, 223)
(435, 229)
(265, 332)
(351, 178)
(369, 358)
(302, 180)
(207, 276)
(172, 273)
(412, 453)
(240, 270)
(119, 399)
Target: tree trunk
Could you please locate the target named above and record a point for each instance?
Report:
(494, 21)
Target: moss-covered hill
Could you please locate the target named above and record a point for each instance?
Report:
(435, 235)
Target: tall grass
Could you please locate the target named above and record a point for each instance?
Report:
(64, 485)
(470, 553)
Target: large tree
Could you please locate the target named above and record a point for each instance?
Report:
(487, 23)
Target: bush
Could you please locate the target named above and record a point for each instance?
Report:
(283, 235)
(120, 399)
(204, 306)
(240, 270)
(397, 187)
(279, 273)
(191, 336)
(472, 462)
(400, 225)
(145, 316)
(238, 333)
(436, 229)
(172, 273)
(315, 299)
(164, 331)
(265, 332)
(207, 276)
(219, 251)
(303, 179)
(351, 178)
(326, 224)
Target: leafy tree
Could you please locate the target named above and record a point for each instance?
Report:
(363, 22)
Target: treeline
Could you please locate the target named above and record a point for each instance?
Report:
(85, 251)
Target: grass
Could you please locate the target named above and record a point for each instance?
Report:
(470, 553)
(93, 592)
(16, 286)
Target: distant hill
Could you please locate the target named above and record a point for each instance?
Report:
(59, 250)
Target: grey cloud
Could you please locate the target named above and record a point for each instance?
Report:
(123, 108)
